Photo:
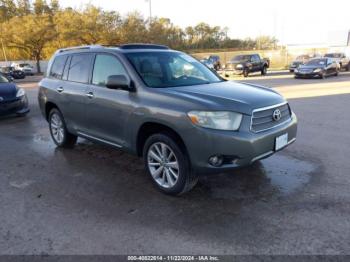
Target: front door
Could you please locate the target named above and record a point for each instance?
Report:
(108, 109)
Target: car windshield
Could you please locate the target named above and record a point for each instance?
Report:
(317, 62)
(239, 58)
(335, 55)
(3, 79)
(170, 69)
(24, 65)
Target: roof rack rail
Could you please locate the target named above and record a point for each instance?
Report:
(142, 46)
(78, 48)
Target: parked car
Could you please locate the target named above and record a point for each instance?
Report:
(341, 59)
(11, 71)
(215, 61)
(300, 60)
(246, 64)
(317, 67)
(7, 75)
(166, 106)
(26, 68)
(208, 63)
(13, 100)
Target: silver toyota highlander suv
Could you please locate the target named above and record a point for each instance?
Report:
(163, 105)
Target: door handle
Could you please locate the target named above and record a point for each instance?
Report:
(90, 95)
(60, 89)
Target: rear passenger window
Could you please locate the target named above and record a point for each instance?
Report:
(105, 66)
(79, 69)
(57, 67)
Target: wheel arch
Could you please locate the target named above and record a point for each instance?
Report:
(48, 107)
(150, 128)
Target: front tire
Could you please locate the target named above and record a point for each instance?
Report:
(168, 165)
(264, 71)
(58, 130)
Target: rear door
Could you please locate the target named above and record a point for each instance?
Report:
(108, 109)
(73, 89)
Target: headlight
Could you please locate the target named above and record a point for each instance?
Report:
(221, 120)
(296, 70)
(317, 70)
(20, 92)
(239, 66)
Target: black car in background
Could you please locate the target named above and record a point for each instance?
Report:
(246, 64)
(300, 60)
(317, 67)
(13, 100)
(212, 61)
(11, 71)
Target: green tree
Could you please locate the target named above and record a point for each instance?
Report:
(31, 34)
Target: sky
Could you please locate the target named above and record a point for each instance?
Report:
(292, 22)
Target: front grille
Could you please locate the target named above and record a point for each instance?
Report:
(305, 71)
(262, 119)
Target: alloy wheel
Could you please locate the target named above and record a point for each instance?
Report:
(163, 164)
(57, 128)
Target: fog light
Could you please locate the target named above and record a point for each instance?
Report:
(216, 160)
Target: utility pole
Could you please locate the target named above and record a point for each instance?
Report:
(150, 11)
(3, 50)
(2, 44)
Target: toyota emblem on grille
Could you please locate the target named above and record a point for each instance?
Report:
(276, 115)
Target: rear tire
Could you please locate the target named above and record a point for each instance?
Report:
(245, 72)
(58, 130)
(168, 165)
(348, 67)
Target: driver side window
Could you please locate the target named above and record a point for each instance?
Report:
(105, 66)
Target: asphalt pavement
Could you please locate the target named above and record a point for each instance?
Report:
(94, 199)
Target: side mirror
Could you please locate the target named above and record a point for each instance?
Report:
(119, 82)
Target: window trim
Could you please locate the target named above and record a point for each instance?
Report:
(89, 71)
(53, 63)
(107, 54)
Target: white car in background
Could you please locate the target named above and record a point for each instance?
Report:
(342, 60)
(24, 67)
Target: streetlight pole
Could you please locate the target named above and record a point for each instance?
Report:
(150, 11)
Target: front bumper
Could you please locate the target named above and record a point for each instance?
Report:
(234, 71)
(241, 148)
(307, 75)
(16, 106)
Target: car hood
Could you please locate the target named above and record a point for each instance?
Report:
(229, 95)
(8, 91)
(310, 66)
